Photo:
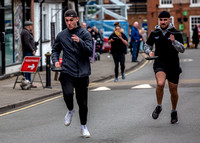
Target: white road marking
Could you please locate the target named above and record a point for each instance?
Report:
(186, 60)
(142, 86)
(101, 89)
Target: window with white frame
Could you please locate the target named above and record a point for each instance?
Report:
(58, 18)
(45, 23)
(194, 20)
(165, 4)
(195, 3)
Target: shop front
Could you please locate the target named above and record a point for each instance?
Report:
(13, 13)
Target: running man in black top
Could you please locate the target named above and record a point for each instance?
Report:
(168, 43)
(76, 46)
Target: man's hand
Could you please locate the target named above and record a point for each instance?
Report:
(57, 64)
(75, 38)
(33, 53)
(172, 38)
(151, 54)
(111, 40)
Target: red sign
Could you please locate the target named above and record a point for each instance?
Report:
(30, 64)
(60, 61)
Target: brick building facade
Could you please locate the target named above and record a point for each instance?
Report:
(185, 14)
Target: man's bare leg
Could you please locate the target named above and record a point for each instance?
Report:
(173, 88)
(160, 78)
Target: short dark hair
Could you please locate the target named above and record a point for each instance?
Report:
(116, 23)
(164, 14)
(70, 13)
(88, 27)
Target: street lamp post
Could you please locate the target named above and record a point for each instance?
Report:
(41, 1)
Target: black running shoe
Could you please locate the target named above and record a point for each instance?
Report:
(156, 112)
(174, 117)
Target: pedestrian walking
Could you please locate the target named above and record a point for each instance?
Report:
(102, 39)
(99, 41)
(196, 35)
(135, 41)
(94, 32)
(83, 25)
(141, 42)
(168, 43)
(28, 45)
(76, 44)
(89, 29)
(119, 42)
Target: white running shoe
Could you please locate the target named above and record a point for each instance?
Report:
(84, 131)
(68, 117)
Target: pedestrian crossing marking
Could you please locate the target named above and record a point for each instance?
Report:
(101, 89)
(142, 86)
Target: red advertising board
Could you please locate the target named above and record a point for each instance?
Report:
(30, 64)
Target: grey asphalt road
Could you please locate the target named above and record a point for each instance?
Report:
(118, 115)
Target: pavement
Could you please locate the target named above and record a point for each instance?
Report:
(11, 98)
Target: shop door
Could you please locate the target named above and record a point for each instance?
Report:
(2, 39)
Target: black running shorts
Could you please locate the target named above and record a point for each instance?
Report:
(171, 75)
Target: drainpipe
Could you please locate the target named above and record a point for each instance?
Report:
(41, 1)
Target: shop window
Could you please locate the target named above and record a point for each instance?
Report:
(194, 3)
(165, 4)
(194, 20)
(9, 51)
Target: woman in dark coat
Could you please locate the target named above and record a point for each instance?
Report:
(195, 36)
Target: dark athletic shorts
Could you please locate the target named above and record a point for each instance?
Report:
(172, 76)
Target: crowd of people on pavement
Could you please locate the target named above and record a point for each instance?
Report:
(97, 36)
(76, 43)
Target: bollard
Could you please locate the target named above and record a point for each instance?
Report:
(48, 70)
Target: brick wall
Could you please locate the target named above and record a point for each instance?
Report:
(177, 12)
(32, 13)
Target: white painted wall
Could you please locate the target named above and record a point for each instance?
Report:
(53, 14)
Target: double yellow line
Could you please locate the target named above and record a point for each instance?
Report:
(10, 112)
(53, 98)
